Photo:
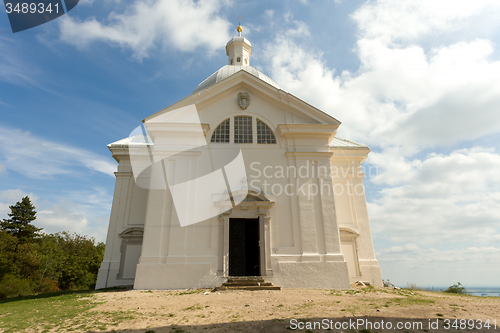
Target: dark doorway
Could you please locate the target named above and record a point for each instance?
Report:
(244, 247)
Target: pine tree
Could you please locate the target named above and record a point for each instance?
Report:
(19, 221)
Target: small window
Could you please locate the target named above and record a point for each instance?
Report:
(243, 129)
(238, 59)
(264, 133)
(221, 133)
(231, 61)
(246, 61)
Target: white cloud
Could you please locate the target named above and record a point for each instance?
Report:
(168, 24)
(396, 20)
(408, 98)
(269, 13)
(3, 168)
(10, 197)
(61, 217)
(444, 198)
(83, 212)
(400, 98)
(404, 96)
(14, 196)
(38, 158)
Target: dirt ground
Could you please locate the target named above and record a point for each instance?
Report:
(358, 310)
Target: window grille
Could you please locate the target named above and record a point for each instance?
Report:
(243, 129)
(221, 133)
(264, 133)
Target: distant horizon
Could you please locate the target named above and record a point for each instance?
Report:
(496, 288)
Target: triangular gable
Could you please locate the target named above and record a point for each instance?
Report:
(278, 95)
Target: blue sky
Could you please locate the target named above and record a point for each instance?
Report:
(417, 81)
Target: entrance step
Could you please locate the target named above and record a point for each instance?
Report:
(247, 283)
(250, 288)
(243, 281)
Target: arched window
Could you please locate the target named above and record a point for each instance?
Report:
(221, 133)
(243, 129)
(264, 133)
(238, 59)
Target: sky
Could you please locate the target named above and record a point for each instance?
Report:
(418, 81)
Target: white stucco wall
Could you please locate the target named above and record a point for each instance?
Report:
(300, 234)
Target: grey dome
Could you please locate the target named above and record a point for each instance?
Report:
(229, 70)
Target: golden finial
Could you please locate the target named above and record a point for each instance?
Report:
(239, 28)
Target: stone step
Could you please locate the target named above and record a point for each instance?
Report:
(245, 279)
(246, 283)
(250, 288)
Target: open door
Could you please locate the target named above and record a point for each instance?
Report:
(244, 247)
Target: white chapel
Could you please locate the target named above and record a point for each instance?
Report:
(239, 179)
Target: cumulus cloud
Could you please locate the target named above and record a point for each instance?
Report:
(401, 98)
(407, 95)
(396, 21)
(61, 217)
(38, 158)
(144, 25)
(452, 198)
(83, 212)
(86, 213)
(423, 84)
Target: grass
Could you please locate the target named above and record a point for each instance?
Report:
(61, 311)
(73, 311)
(190, 292)
(53, 310)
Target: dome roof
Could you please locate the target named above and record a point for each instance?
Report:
(229, 70)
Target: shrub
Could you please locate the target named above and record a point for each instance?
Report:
(456, 289)
(47, 286)
(10, 285)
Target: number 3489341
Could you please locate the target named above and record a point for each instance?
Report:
(31, 8)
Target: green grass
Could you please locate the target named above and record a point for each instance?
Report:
(48, 311)
(403, 301)
(61, 311)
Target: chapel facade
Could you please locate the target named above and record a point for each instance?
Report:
(294, 214)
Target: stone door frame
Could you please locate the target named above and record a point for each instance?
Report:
(250, 210)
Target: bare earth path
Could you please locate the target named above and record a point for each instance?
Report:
(358, 310)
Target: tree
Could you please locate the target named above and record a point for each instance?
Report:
(456, 289)
(82, 258)
(19, 221)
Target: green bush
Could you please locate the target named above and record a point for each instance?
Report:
(456, 289)
(10, 285)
